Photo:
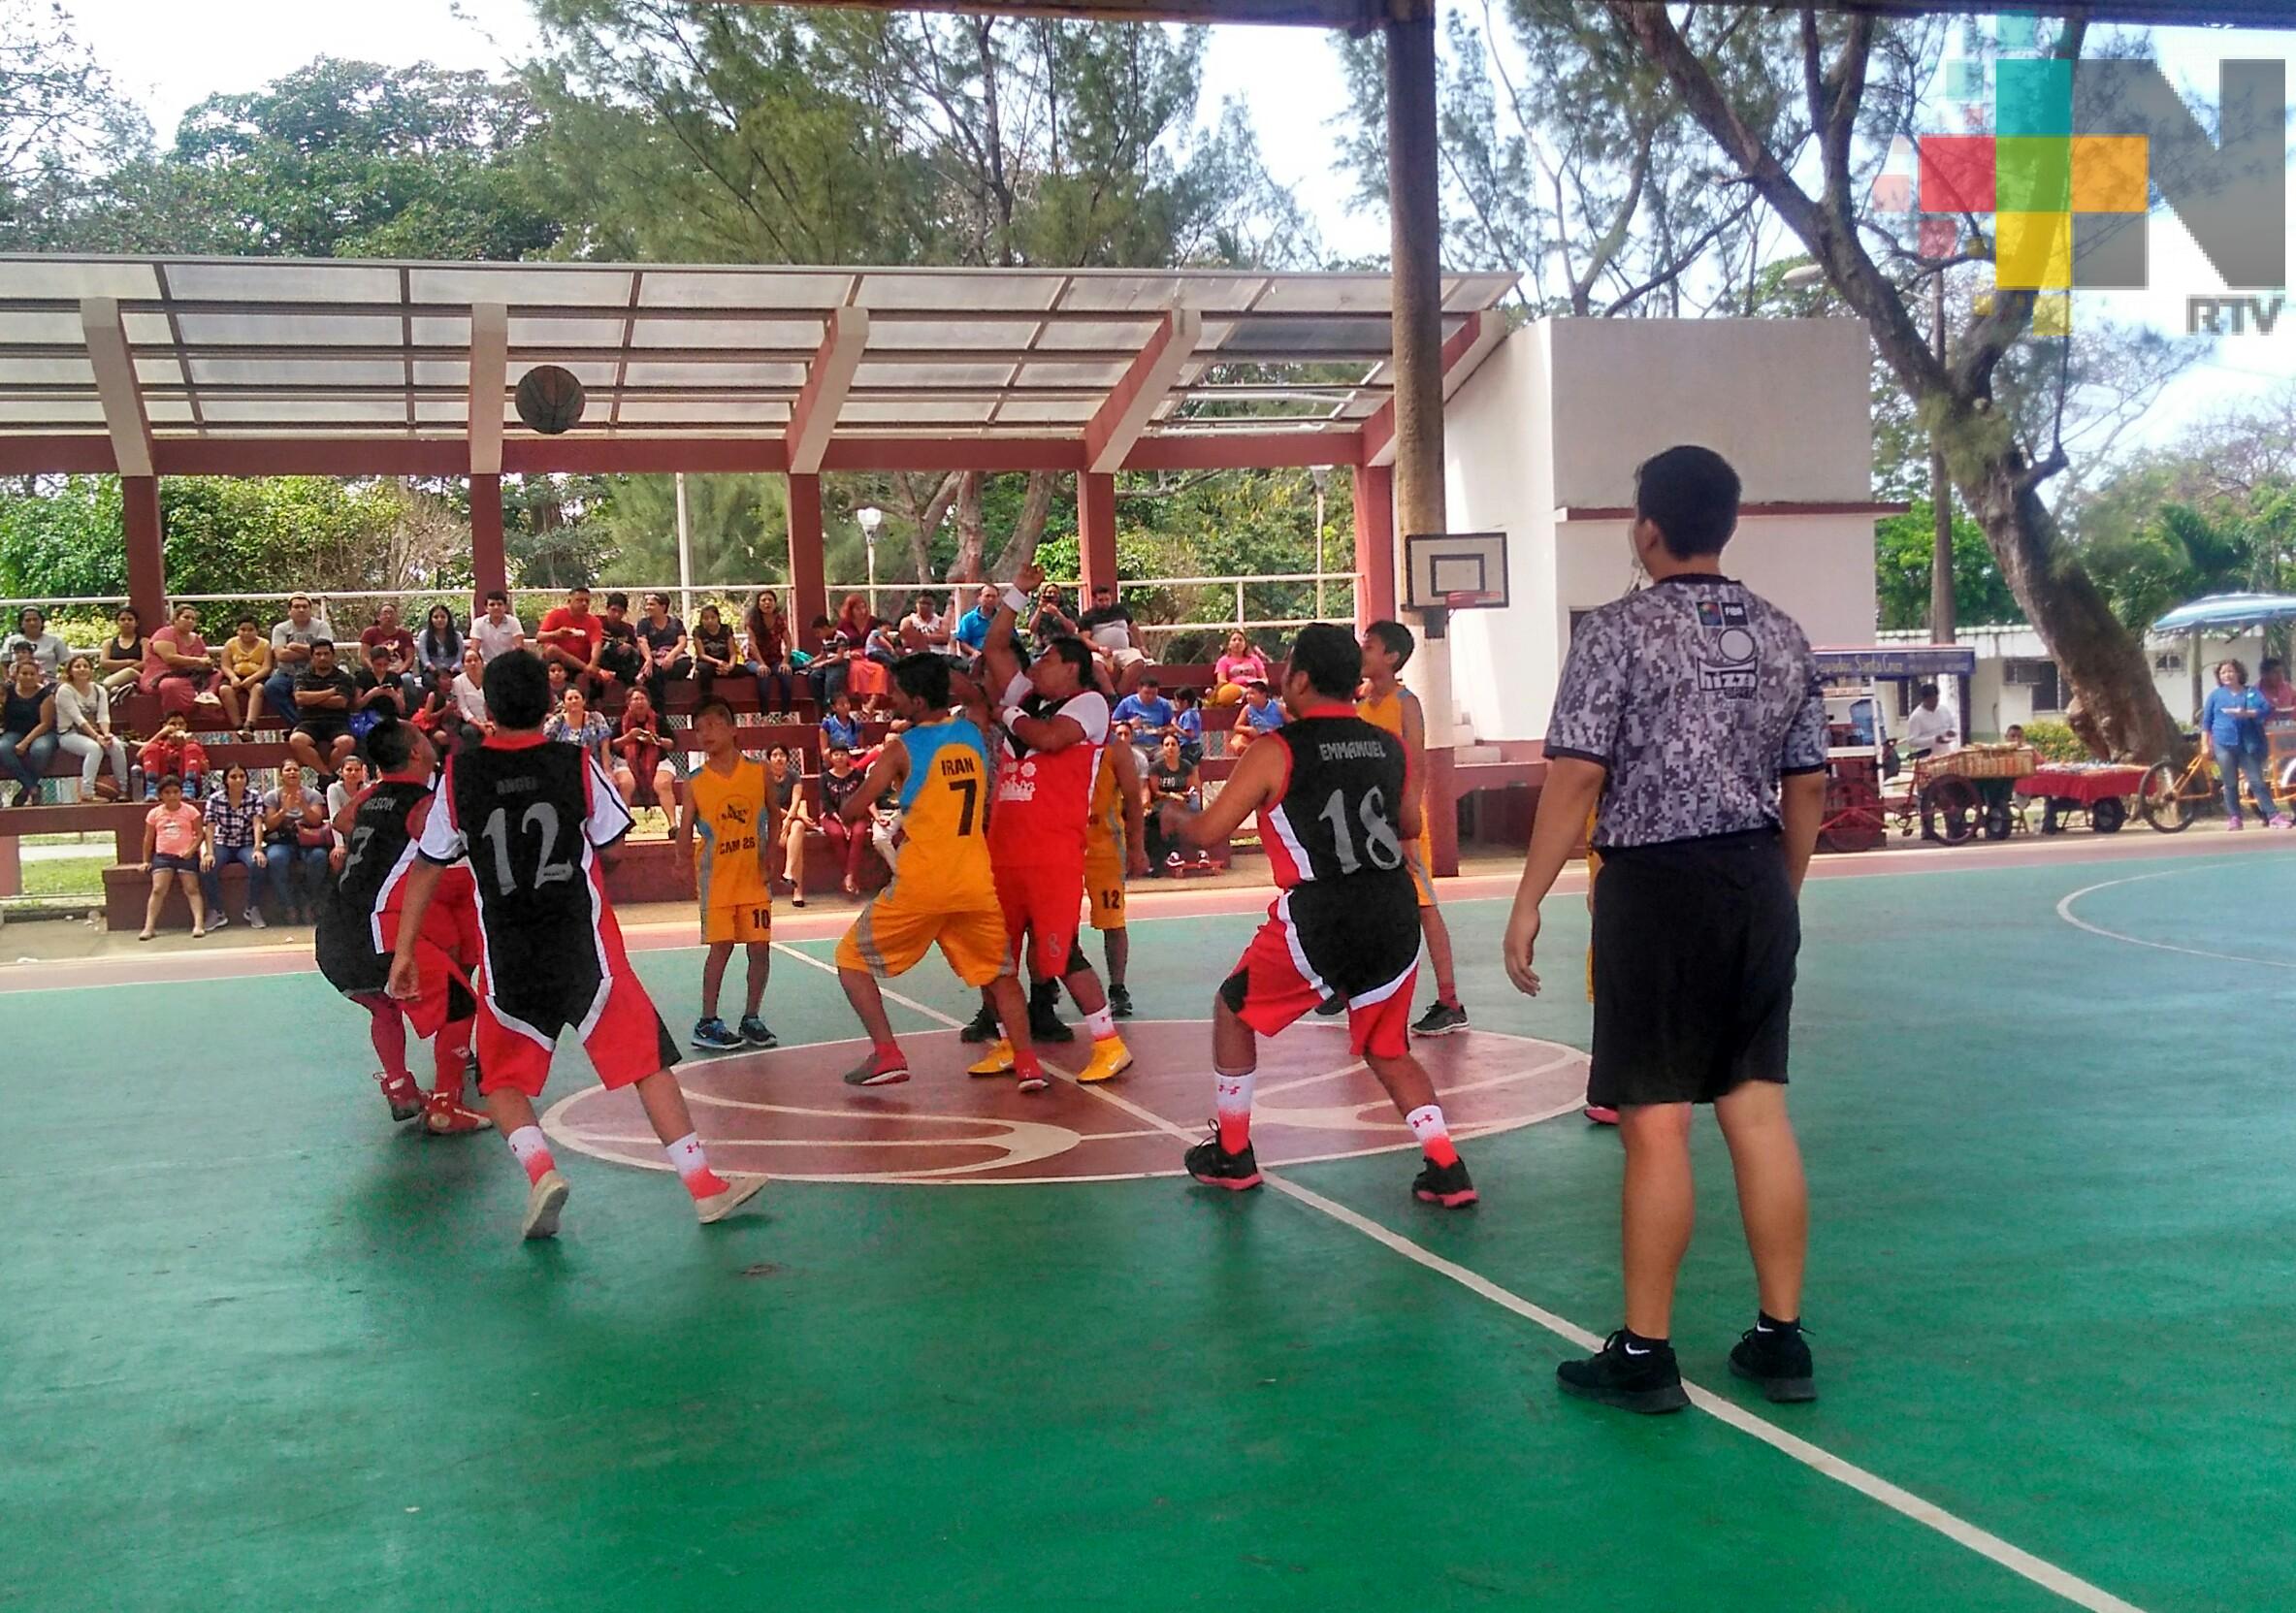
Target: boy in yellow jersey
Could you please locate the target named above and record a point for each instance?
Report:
(943, 889)
(729, 823)
(1115, 845)
(1385, 703)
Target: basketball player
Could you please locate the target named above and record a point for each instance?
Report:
(1385, 703)
(358, 928)
(1334, 816)
(1115, 845)
(530, 817)
(729, 821)
(943, 889)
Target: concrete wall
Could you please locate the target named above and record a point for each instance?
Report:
(1498, 476)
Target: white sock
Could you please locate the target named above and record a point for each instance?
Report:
(1434, 1137)
(531, 1148)
(1232, 1094)
(686, 1155)
(1102, 1023)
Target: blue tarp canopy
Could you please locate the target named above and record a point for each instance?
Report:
(1897, 661)
(2229, 613)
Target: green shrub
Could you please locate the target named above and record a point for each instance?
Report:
(2056, 742)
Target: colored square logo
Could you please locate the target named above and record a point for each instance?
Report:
(1939, 236)
(2053, 314)
(2109, 251)
(2033, 98)
(1964, 78)
(2111, 174)
(2032, 175)
(2033, 251)
(1957, 173)
(1892, 193)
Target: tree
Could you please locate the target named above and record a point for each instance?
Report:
(62, 124)
(1904, 550)
(1798, 104)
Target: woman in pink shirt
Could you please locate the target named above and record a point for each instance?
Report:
(176, 666)
(1237, 670)
(170, 854)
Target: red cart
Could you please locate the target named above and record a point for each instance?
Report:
(2101, 789)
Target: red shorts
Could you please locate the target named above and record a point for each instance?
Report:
(1044, 903)
(1271, 988)
(623, 1034)
(446, 954)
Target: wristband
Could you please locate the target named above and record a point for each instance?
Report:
(1013, 714)
(1016, 601)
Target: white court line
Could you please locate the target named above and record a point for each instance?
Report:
(2064, 910)
(2048, 1575)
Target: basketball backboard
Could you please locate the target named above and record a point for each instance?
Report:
(1455, 572)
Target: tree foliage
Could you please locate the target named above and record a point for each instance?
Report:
(1904, 556)
(63, 126)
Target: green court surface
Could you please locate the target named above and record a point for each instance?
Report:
(259, 1351)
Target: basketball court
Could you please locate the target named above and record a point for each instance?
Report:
(260, 1350)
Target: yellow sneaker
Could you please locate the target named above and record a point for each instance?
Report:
(1110, 1058)
(998, 1061)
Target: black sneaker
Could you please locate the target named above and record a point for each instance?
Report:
(1644, 1379)
(711, 1036)
(1214, 1167)
(983, 1027)
(752, 1030)
(1044, 1014)
(1330, 1006)
(1444, 1184)
(1779, 1360)
(1439, 1020)
(1119, 1002)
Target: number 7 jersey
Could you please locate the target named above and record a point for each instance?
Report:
(943, 862)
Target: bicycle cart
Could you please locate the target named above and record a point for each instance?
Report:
(2100, 790)
(1993, 769)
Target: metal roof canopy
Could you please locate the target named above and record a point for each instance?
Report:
(254, 363)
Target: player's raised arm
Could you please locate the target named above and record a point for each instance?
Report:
(1258, 779)
(887, 772)
(1000, 664)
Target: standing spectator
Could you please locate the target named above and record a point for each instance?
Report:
(170, 856)
(1240, 666)
(2233, 718)
(840, 726)
(1050, 619)
(120, 661)
(662, 637)
(439, 652)
(714, 652)
(389, 632)
(172, 751)
(971, 631)
(298, 872)
(1108, 626)
(31, 629)
(1928, 730)
(1187, 722)
(291, 643)
(497, 629)
(825, 673)
(231, 832)
(247, 668)
(469, 696)
(176, 665)
(571, 638)
(324, 695)
(83, 727)
(1147, 709)
(621, 662)
(1171, 777)
(924, 629)
(1692, 720)
(769, 653)
(577, 724)
(1262, 712)
(785, 790)
(28, 729)
(642, 771)
(848, 842)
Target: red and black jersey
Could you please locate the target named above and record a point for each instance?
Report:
(377, 852)
(1334, 839)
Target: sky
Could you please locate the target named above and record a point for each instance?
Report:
(169, 56)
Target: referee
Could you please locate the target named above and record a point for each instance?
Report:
(1692, 712)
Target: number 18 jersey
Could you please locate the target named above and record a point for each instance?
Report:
(1334, 840)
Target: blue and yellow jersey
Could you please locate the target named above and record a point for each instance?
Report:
(943, 862)
(731, 834)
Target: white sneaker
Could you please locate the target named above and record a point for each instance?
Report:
(738, 1192)
(545, 1202)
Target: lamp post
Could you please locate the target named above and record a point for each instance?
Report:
(872, 519)
(1321, 476)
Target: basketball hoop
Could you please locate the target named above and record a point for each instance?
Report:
(1470, 599)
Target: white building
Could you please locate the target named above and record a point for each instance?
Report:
(2015, 681)
(1542, 440)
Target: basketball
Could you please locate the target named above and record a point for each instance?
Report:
(549, 398)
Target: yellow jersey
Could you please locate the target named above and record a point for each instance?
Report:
(731, 838)
(944, 859)
(1104, 822)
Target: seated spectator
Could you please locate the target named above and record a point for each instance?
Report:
(232, 831)
(571, 638)
(2015, 735)
(173, 750)
(661, 639)
(324, 698)
(2271, 680)
(315, 831)
(247, 668)
(715, 655)
(577, 724)
(1108, 626)
(177, 666)
(170, 856)
(392, 634)
(826, 672)
(621, 660)
(642, 770)
(1143, 746)
(769, 654)
(439, 652)
(784, 794)
(83, 727)
(848, 842)
(971, 631)
(291, 643)
(1263, 713)
(298, 870)
(496, 630)
(1187, 722)
(469, 697)
(381, 693)
(1241, 666)
(1171, 777)
(341, 795)
(840, 726)
(884, 645)
(1147, 709)
(561, 680)
(31, 629)
(924, 629)
(28, 729)
(1050, 619)
(120, 661)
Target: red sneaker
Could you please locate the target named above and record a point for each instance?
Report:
(1602, 1116)
(879, 1069)
(402, 1094)
(445, 1114)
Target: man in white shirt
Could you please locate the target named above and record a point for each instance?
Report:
(497, 630)
(291, 651)
(1928, 730)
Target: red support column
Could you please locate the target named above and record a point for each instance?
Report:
(1374, 546)
(809, 585)
(146, 551)
(1096, 530)
(490, 559)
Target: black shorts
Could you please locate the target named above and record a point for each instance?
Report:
(1694, 950)
(323, 734)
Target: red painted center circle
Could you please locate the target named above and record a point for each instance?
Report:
(787, 1114)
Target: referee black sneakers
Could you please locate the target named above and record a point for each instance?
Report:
(1777, 1358)
(1633, 1375)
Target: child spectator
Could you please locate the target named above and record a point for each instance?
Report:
(824, 667)
(171, 857)
(848, 842)
(232, 832)
(621, 660)
(1187, 722)
(1261, 711)
(841, 726)
(785, 789)
(172, 751)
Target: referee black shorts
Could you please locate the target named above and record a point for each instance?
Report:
(1694, 950)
